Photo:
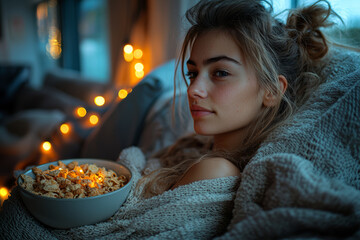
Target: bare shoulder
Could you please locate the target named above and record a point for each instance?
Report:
(209, 168)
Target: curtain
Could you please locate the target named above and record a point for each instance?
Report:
(157, 27)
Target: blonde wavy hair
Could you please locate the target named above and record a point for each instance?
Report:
(295, 49)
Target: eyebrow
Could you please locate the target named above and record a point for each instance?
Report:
(214, 59)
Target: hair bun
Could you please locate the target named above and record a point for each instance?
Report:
(304, 25)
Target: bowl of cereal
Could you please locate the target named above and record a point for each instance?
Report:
(75, 192)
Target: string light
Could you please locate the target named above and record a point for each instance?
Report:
(138, 54)
(4, 192)
(46, 146)
(139, 67)
(81, 112)
(93, 119)
(139, 74)
(99, 101)
(122, 93)
(65, 128)
(128, 57)
(128, 48)
(128, 53)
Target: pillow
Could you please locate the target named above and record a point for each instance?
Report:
(162, 127)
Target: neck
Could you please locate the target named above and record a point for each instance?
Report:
(229, 141)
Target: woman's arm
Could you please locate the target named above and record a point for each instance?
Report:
(208, 169)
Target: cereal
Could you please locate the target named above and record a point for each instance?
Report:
(73, 181)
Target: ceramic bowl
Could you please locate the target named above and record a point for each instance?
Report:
(68, 213)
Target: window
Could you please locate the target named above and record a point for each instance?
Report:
(93, 40)
(349, 11)
(74, 35)
(347, 32)
(48, 32)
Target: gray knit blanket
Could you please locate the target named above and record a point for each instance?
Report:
(303, 183)
(200, 210)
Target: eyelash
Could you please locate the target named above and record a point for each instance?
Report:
(191, 75)
(224, 73)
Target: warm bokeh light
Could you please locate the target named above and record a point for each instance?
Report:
(81, 112)
(128, 57)
(65, 128)
(4, 192)
(139, 74)
(93, 119)
(53, 47)
(122, 93)
(42, 11)
(128, 49)
(138, 53)
(99, 101)
(139, 67)
(46, 146)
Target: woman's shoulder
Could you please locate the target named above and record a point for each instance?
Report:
(209, 168)
(215, 167)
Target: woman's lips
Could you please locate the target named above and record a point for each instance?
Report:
(197, 111)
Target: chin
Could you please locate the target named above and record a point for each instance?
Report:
(202, 131)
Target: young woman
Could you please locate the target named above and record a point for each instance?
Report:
(247, 73)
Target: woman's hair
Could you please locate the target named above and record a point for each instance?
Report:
(294, 49)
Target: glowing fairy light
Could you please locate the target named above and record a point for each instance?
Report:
(81, 111)
(4, 192)
(65, 128)
(41, 11)
(46, 146)
(138, 53)
(122, 93)
(93, 119)
(139, 74)
(128, 57)
(128, 53)
(99, 101)
(53, 47)
(128, 48)
(139, 67)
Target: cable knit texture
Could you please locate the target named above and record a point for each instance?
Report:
(303, 183)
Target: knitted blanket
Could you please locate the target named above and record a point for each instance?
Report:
(304, 181)
(200, 210)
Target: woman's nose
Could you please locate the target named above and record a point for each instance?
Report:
(197, 89)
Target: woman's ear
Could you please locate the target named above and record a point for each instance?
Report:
(283, 84)
(270, 99)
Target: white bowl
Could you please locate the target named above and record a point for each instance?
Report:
(67, 213)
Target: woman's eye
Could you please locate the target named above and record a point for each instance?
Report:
(191, 75)
(221, 74)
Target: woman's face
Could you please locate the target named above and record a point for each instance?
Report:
(224, 95)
